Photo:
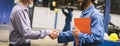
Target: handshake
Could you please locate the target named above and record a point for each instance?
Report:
(54, 34)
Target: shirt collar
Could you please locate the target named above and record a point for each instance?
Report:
(24, 8)
(89, 9)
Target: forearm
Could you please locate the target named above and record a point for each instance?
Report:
(65, 37)
(36, 34)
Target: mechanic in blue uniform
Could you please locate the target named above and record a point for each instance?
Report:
(97, 27)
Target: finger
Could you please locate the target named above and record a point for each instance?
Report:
(73, 32)
(75, 28)
(55, 34)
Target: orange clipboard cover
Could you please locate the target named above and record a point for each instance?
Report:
(83, 25)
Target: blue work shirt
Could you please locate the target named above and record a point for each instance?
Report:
(97, 29)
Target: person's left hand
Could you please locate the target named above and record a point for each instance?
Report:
(76, 32)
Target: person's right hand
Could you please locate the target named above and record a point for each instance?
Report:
(54, 34)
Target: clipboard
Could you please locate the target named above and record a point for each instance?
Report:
(83, 25)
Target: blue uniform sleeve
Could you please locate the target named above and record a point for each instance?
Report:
(97, 29)
(65, 37)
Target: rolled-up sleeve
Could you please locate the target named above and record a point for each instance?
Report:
(97, 29)
(65, 37)
(24, 28)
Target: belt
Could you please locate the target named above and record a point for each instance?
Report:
(27, 44)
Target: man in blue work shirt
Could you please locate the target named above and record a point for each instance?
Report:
(97, 27)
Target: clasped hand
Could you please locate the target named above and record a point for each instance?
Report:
(54, 34)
